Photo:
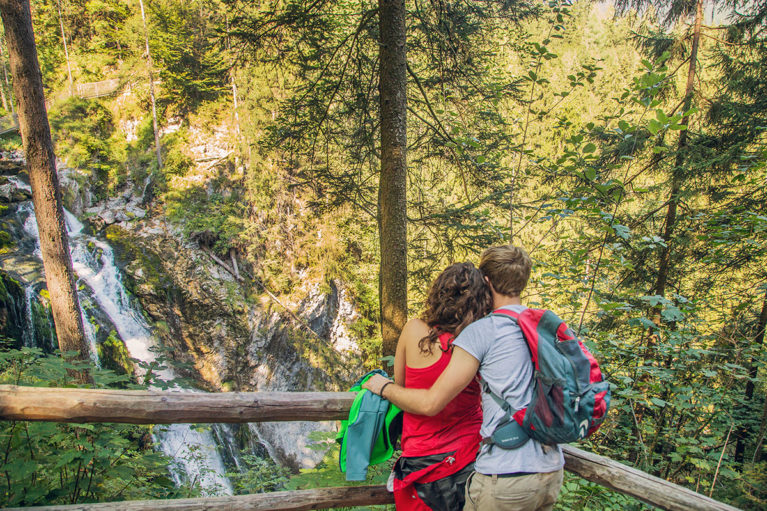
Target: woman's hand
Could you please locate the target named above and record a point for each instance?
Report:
(375, 383)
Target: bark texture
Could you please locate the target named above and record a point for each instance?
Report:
(46, 194)
(157, 407)
(753, 370)
(392, 191)
(155, 126)
(297, 500)
(677, 176)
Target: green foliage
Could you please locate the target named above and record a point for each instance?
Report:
(51, 463)
(213, 219)
(192, 68)
(11, 293)
(752, 487)
(6, 241)
(553, 125)
(114, 356)
(259, 475)
(175, 161)
(327, 473)
(84, 135)
(10, 142)
(579, 494)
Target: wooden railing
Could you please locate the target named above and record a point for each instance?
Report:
(92, 90)
(154, 407)
(9, 123)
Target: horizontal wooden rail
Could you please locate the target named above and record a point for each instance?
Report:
(319, 498)
(9, 123)
(640, 485)
(154, 407)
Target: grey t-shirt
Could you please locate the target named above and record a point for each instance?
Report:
(505, 364)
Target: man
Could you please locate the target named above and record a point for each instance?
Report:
(528, 477)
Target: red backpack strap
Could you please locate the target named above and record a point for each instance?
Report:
(506, 312)
(527, 321)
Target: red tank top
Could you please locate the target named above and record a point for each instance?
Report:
(447, 431)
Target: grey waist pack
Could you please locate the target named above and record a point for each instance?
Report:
(509, 435)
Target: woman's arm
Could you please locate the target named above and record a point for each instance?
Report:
(399, 360)
(407, 346)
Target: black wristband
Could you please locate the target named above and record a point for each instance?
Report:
(384, 386)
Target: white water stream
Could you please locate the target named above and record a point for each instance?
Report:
(193, 450)
(28, 336)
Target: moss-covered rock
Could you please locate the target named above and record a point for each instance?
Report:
(12, 320)
(113, 355)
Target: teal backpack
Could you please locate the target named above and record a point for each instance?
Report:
(570, 395)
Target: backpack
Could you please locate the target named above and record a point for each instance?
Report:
(570, 395)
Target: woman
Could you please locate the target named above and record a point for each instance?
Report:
(438, 452)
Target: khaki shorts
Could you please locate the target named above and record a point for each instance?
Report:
(533, 492)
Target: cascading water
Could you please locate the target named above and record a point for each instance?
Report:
(193, 451)
(28, 336)
(90, 336)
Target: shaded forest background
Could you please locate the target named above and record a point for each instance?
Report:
(622, 146)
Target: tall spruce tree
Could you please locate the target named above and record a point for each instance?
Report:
(740, 111)
(672, 13)
(329, 124)
(152, 97)
(46, 194)
(392, 185)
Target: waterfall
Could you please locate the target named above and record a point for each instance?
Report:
(18, 183)
(193, 451)
(28, 335)
(90, 336)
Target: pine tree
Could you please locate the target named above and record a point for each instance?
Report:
(392, 187)
(148, 56)
(46, 194)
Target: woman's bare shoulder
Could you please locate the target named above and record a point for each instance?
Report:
(414, 330)
(412, 333)
(416, 327)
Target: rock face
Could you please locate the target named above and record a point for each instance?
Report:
(227, 333)
(12, 313)
(227, 340)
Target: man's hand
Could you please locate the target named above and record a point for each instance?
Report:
(375, 383)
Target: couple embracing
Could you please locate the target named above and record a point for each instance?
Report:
(439, 362)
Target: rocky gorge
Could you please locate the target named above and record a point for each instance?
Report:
(215, 323)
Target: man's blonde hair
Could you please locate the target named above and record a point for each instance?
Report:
(508, 268)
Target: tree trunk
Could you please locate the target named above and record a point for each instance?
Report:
(5, 77)
(66, 50)
(232, 79)
(740, 445)
(151, 89)
(677, 176)
(235, 268)
(392, 190)
(3, 87)
(46, 195)
(2, 96)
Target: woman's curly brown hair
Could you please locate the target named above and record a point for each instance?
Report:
(458, 297)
